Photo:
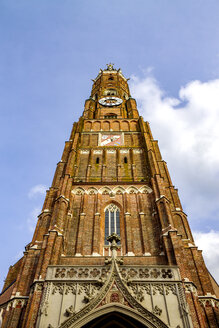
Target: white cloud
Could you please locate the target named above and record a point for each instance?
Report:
(37, 190)
(34, 193)
(19, 255)
(188, 134)
(209, 243)
(32, 219)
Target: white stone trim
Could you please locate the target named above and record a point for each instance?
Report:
(131, 189)
(130, 254)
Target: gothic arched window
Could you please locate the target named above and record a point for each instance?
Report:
(112, 221)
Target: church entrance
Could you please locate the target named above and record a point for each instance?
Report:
(114, 320)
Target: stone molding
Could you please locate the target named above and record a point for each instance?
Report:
(134, 284)
(207, 301)
(190, 288)
(107, 190)
(74, 273)
(17, 301)
(93, 273)
(116, 307)
(152, 320)
(150, 273)
(153, 292)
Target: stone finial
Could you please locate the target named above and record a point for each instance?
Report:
(110, 67)
(113, 239)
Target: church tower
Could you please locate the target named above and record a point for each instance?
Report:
(112, 246)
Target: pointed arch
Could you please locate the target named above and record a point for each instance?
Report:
(78, 191)
(115, 308)
(132, 190)
(105, 190)
(118, 190)
(92, 191)
(145, 190)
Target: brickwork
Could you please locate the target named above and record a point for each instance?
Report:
(91, 175)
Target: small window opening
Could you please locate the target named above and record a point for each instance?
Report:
(125, 160)
(110, 92)
(110, 116)
(126, 109)
(111, 78)
(97, 160)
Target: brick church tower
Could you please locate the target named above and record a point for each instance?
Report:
(112, 246)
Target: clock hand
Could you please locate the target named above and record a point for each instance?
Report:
(105, 142)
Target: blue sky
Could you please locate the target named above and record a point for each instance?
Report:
(50, 51)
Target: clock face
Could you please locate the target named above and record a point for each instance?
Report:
(111, 140)
(110, 101)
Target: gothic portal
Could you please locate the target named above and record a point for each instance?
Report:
(112, 246)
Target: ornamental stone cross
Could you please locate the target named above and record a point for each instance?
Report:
(113, 239)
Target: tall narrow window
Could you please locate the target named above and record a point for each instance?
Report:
(112, 221)
(97, 160)
(125, 160)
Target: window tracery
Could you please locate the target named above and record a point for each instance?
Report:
(112, 221)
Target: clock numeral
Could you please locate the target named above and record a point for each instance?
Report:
(110, 101)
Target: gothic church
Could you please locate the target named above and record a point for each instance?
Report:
(112, 246)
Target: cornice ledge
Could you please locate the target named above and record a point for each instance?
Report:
(55, 229)
(189, 286)
(192, 245)
(14, 300)
(61, 161)
(167, 230)
(209, 300)
(46, 211)
(35, 247)
(162, 197)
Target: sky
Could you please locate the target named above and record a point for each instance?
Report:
(50, 51)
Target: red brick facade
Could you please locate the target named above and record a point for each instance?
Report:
(91, 175)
